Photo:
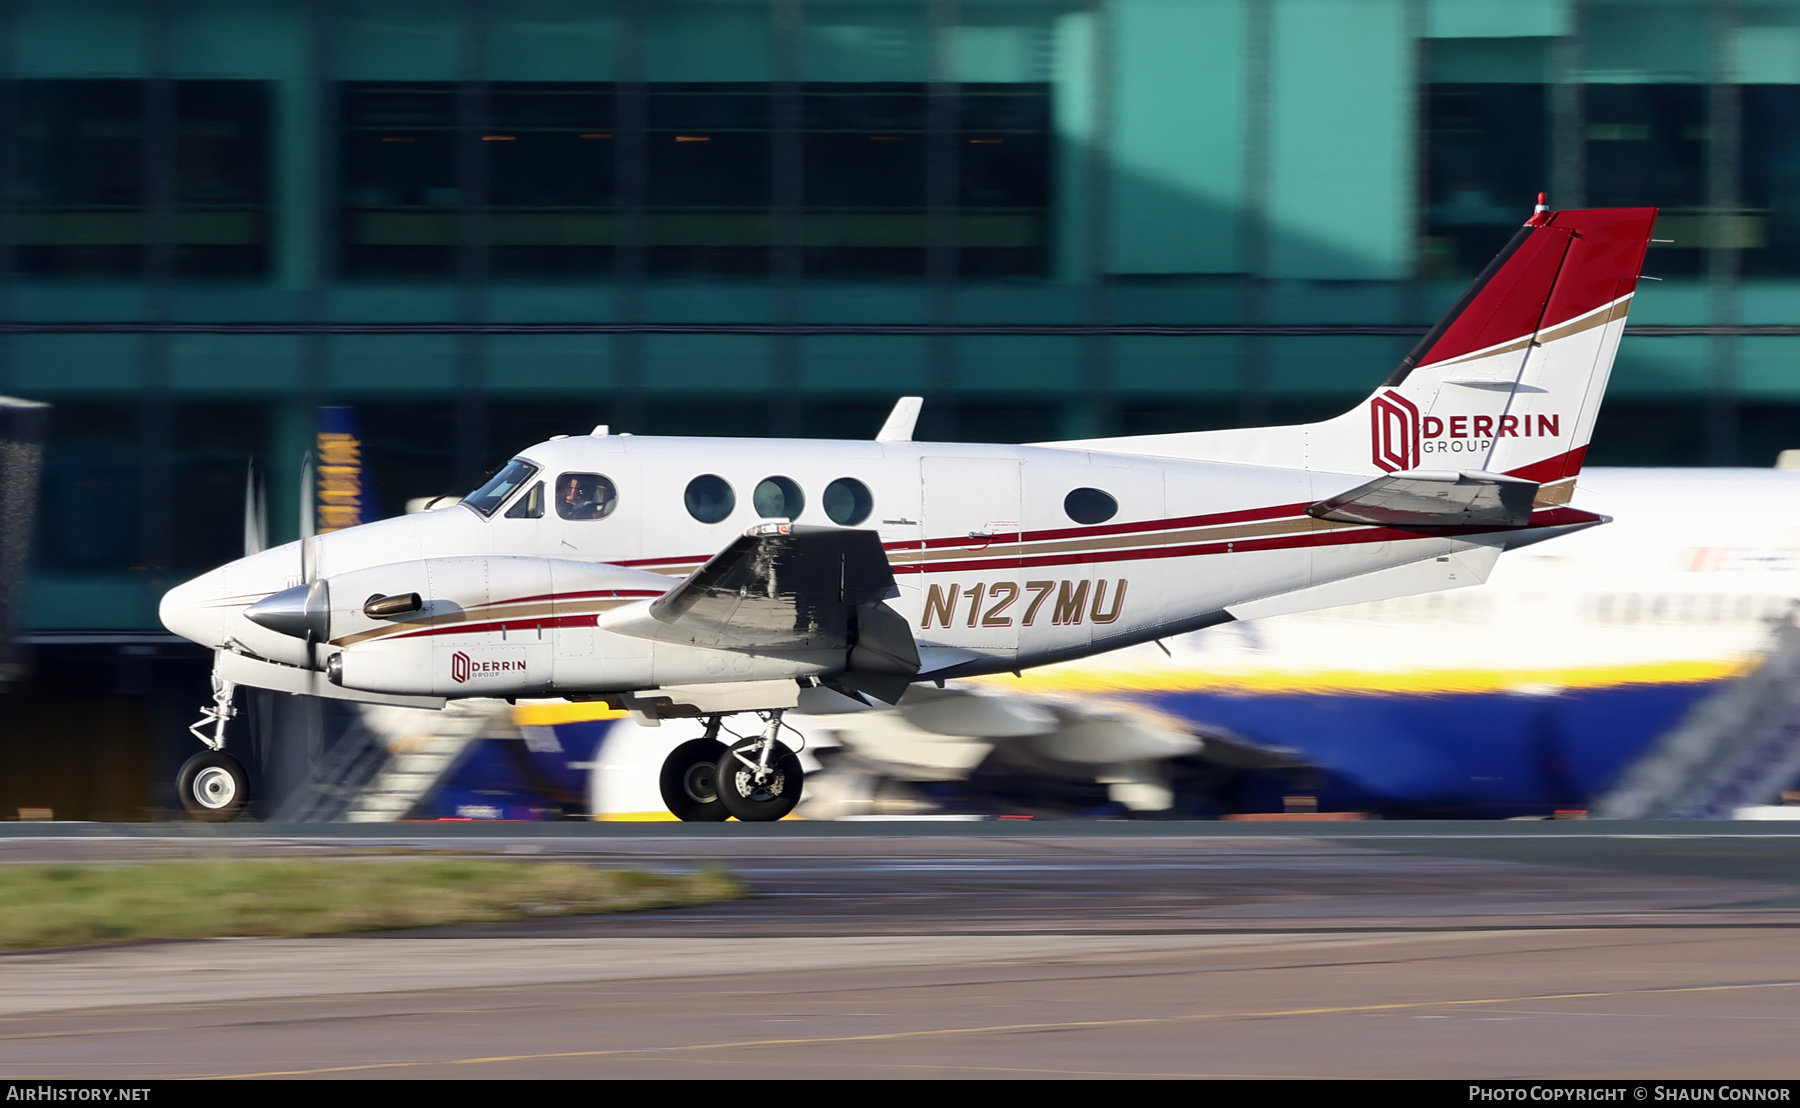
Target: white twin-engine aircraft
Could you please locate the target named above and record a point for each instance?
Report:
(680, 577)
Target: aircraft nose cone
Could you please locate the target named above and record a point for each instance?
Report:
(193, 611)
(302, 612)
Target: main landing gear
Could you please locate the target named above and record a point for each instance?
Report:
(212, 784)
(690, 778)
(756, 780)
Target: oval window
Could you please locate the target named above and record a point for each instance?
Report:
(1090, 506)
(847, 501)
(585, 496)
(778, 498)
(709, 498)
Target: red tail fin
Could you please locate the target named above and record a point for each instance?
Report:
(1510, 380)
(1560, 267)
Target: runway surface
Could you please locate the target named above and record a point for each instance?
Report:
(1416, 950)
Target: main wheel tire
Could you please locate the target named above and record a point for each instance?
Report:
(689, 782)
(764, 801)
(213, 787)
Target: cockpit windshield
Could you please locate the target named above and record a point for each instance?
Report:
(500, 486)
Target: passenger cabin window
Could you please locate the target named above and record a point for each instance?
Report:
(848, 501)
(709, 498)
(1090, 506)
(778, 498)
(529, 506)
(500, 486)
(585, 496)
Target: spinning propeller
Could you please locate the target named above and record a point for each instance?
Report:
(304, 610)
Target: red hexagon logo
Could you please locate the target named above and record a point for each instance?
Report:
(1394, 432)
(459, 667)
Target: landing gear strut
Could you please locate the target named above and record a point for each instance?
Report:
(212, 784)
(760, 778)
(755, 780)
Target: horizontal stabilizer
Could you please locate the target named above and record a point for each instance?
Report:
(1458, 570)
(1434, 498)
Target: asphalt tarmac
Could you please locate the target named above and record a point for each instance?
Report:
(1380, 950)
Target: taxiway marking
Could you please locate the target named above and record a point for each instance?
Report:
(999, 1028)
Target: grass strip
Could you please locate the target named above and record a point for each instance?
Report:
(69, 905)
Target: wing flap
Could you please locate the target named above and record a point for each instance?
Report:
(785, 587)
(1434, 498)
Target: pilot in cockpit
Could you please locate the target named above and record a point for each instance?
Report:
(584, 496)
(569, 495)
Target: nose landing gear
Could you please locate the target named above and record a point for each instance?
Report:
(755, 780)
(213, 787)
(212, 784)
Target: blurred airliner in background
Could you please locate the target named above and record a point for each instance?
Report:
(1530, 694)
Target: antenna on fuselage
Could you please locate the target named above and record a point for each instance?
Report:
(900, 421)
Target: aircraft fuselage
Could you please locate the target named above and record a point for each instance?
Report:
(993, 573)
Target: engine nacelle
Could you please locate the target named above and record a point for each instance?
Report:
(504, 626)
(480, 626)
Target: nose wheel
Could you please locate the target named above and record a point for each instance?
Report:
(212, 784)
(213, 787)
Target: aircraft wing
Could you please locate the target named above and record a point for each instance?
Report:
(1434, 498)
(786, 587)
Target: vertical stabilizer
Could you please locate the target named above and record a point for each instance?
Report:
(1509, 381)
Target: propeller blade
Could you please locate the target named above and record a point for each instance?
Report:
(309, 559)
(308, 515)
(308, 521)
(256, 513)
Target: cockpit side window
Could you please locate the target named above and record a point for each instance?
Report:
(529, 506)
(585, 496)
(500, 486)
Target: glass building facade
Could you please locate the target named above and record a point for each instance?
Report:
(483, 223)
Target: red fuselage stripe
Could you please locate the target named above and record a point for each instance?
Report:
(1548, 469)
(497, 625)
(1346, 537)
(621, 594)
